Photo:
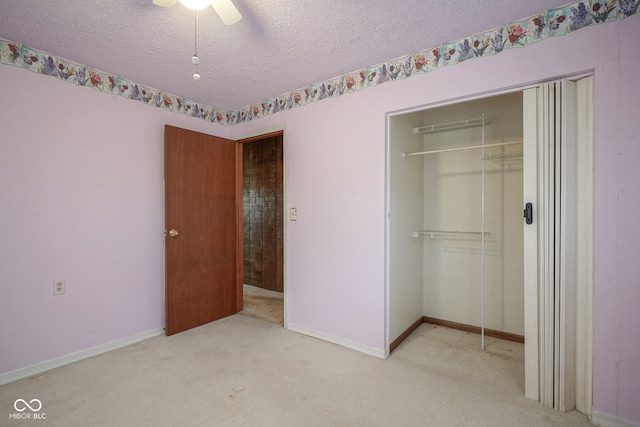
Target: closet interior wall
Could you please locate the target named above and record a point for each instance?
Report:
(443, 192)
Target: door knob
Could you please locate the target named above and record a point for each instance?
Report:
(173, 232)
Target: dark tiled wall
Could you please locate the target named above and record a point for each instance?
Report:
(263, 221)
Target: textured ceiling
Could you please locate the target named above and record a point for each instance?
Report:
(279, 46)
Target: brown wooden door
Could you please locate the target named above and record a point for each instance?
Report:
(203, 275)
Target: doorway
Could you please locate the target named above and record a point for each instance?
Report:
(263, 227)
(204, 228)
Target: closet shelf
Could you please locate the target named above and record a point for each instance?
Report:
(503, 155)
(449, 126)
(453, 235)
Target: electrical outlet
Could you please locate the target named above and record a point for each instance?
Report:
(293, 214)
(58, 287)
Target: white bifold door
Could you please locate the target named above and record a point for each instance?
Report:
(558, 191)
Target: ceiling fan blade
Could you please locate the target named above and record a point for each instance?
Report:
(227, 11)
(165, 3)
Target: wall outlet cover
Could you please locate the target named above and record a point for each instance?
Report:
(59, 287)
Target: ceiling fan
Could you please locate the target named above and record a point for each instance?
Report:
(224, 8)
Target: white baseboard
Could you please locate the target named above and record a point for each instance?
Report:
(606, 420)
(28, 371)
(371, 351)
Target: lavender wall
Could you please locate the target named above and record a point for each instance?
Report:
(81, 194)
(81, 189)
(336, 174)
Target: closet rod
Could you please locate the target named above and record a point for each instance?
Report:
(497, 144)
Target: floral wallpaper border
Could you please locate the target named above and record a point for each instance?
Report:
(554, 22)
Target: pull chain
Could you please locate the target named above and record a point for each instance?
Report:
(195, 60)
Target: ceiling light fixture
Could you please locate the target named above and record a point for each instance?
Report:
(224, 8)
(196, 4)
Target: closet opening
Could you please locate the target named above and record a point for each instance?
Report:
(455, 189)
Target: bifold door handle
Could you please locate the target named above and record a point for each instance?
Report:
(528, 213)
(173, 232)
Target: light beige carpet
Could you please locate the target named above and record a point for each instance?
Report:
(242, 371)
(263, 304)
